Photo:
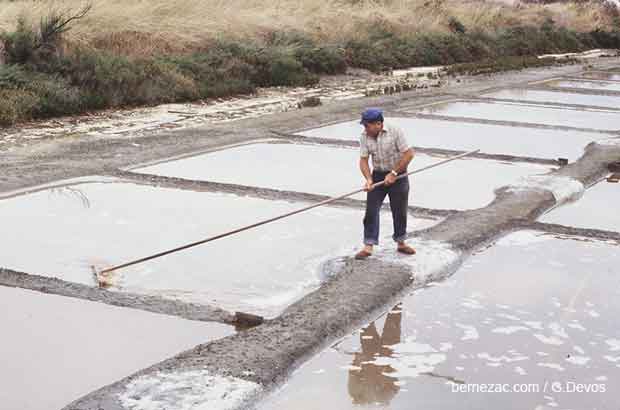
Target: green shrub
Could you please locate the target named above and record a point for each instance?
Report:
(40, 47)
(54, 96)
(15, 105)
(606, 39)
(318, 59)
(495, 65)
(322, 60)
(14, 76)
(108, 80)
(278, 66)
(21, 44)
(456, 26)
(216, 72)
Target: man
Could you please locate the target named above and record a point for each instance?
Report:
(390, 157)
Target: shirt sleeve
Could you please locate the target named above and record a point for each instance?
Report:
(401, 142)
(363, 146)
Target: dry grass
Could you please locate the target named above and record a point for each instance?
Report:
(146, 27)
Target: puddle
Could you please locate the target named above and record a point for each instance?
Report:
(600, 75)
(557, 97)
(533, 310)
(62, 348)
(536, 114)
(597, 209)
(591, 85)
(105, 224)
(334, 171)
(490, 139)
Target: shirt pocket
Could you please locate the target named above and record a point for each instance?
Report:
(372, 147)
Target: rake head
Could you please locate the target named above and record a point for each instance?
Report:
(102, 279)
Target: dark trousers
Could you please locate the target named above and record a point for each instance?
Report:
(399, 201)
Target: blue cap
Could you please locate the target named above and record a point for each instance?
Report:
(371, 115)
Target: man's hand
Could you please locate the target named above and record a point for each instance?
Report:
(368, 187)
(389, 179)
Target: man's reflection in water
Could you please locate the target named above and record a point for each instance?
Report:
(369, 383)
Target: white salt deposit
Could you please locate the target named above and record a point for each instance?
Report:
(446, 346)
(579, 349)
(548, 340)
(564, 189)
(558, 330)
(502, 359)
(187, 390)
(471, 333)
(534, 325)
(433, 260)
(411, 365)
(552, 366)
(614, 344)
(508, 330)
(609, 141)
(577, 326)
(520, 238)
(520, 371)
(578, 360)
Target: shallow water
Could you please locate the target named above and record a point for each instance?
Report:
(56, 349)
(490, 139)
(557, 97)
(592, 85)
(463, 184)
(534, 309)
(602, 76)
(597, 209)
(535, 114)
(105, 224)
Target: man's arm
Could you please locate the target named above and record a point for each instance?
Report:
(365, 168)
(401, 166)
(407, 155)
(405, 160)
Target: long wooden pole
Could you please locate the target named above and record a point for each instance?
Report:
(266, 221)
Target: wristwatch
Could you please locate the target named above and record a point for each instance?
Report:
(394, 173)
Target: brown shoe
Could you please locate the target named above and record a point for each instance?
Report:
(363, 254)
(406, 249)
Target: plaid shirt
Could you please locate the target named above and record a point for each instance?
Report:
(386, 150)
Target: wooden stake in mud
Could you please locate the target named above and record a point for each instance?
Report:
(266, 221)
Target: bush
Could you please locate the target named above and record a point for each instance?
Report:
(41, 48)
(605, 39)
(322, 60)
(53, 95)
(14, 76)
(216, 72)
(495, 65)
(111, 81)
(21, 44)
(382, 50)
(318, 59)
(278, 66)
(15, 105)
(456, 26)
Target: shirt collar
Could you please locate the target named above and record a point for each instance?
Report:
(383, 131)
